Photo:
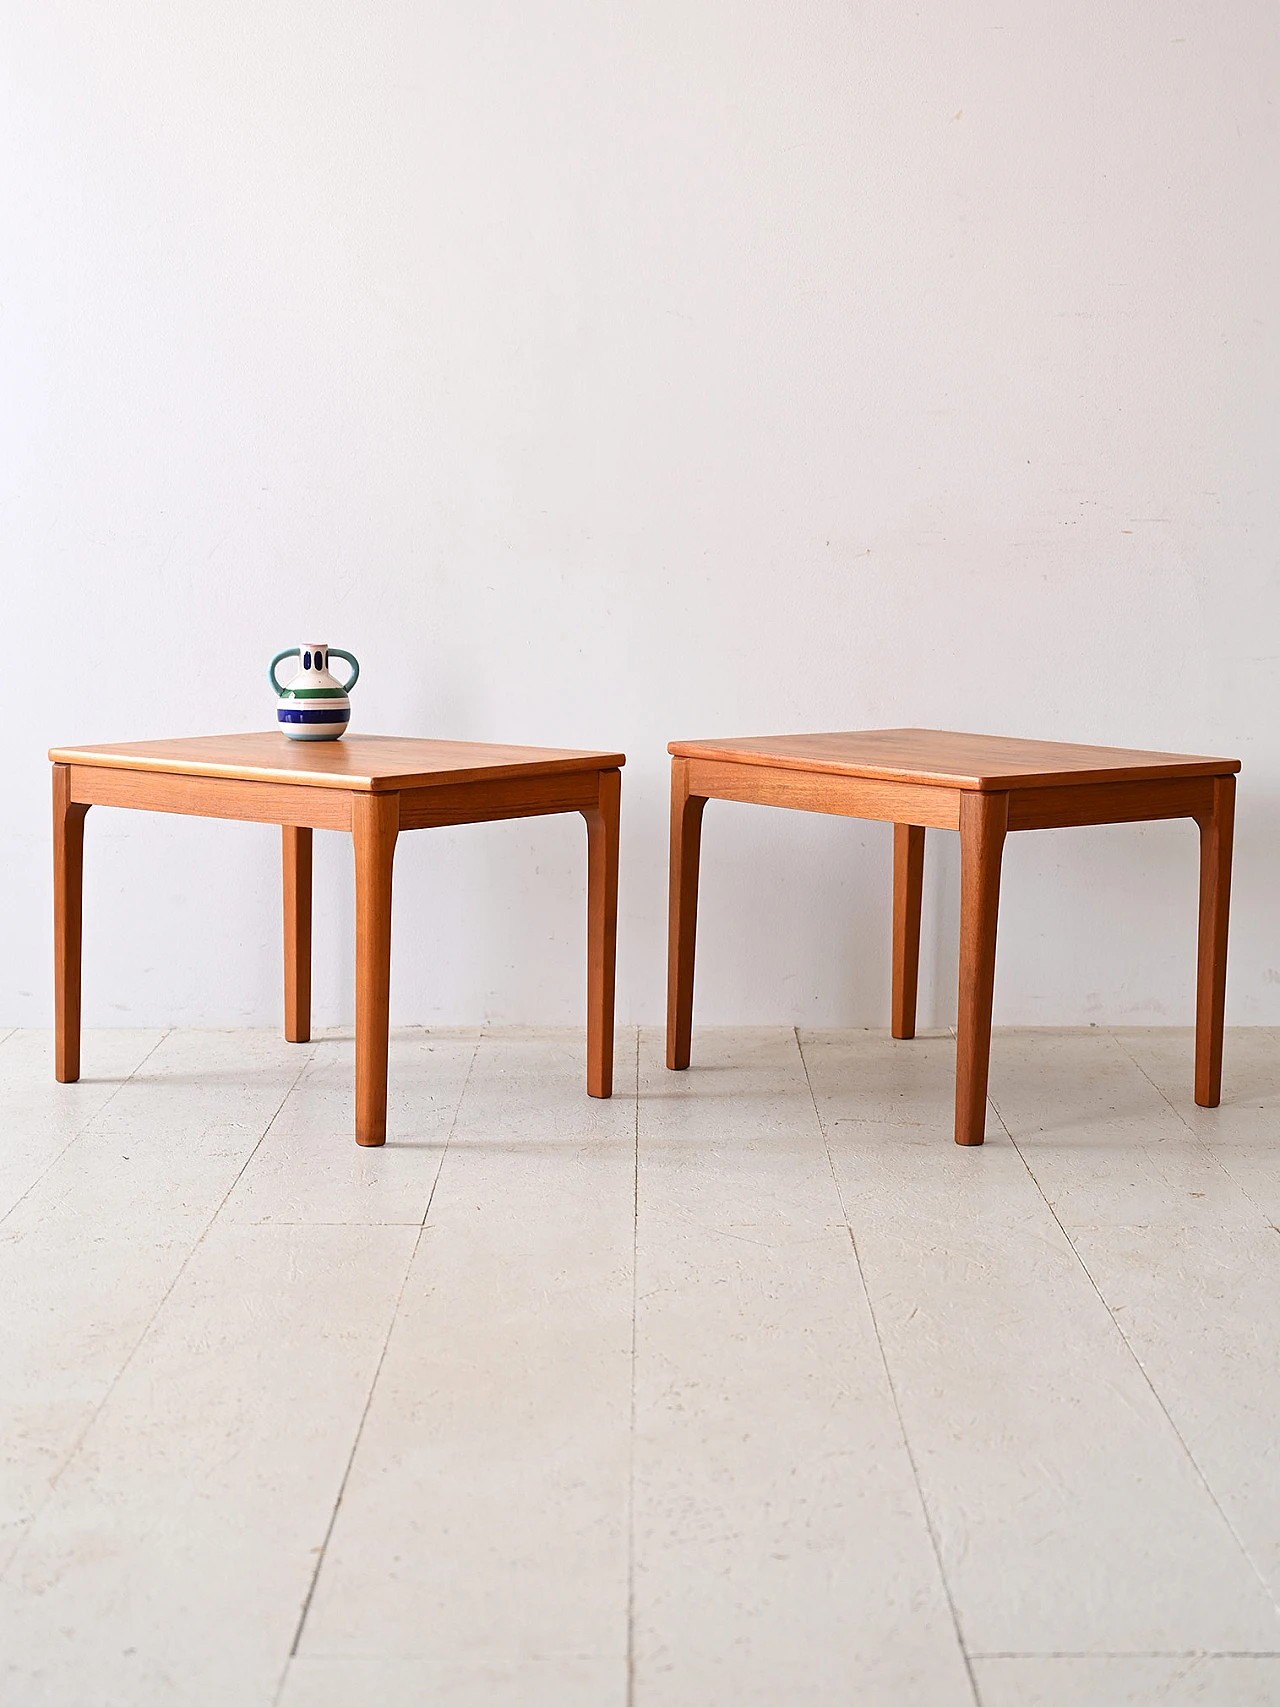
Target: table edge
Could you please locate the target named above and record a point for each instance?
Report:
(86, 759)
(996, 782)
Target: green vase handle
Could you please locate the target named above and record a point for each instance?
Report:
(337, 652)
(289, 652)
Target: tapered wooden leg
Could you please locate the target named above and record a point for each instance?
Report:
(682, 916)
(602, 931)
(68, 888)
(908, 888)
(375, 823)
(984, 819)
(1216, 832)
(296, 850)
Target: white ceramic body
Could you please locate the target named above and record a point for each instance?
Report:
(313, 706)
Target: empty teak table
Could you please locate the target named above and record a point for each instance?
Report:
(983, 786)
(374, 786)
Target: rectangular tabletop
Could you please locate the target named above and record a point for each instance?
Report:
(371, 787)
(362, 763)
(945, 758)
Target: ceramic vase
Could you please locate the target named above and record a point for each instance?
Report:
(313, 706)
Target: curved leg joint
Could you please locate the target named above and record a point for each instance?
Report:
(908, 889)
(1216, 835)
(984, 819)
(682, 917)
(602, 930)
(68, 890)
(375, 824)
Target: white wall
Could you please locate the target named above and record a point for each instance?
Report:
(606, 374)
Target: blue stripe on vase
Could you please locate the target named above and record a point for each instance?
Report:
(288, 714)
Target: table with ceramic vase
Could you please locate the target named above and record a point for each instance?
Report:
(374, 787)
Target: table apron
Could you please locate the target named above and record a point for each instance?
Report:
(816, 791)
(212, 797)
(505, 797)
(1109, 803)
(1061, 806)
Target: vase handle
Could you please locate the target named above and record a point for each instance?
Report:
(337, 652)
(289, 652)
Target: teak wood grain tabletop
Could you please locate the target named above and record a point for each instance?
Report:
(373, 786)
(983, 786)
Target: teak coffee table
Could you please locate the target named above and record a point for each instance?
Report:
(983, 786)
(374, 786)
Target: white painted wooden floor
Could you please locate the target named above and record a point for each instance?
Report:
(746, 1388)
